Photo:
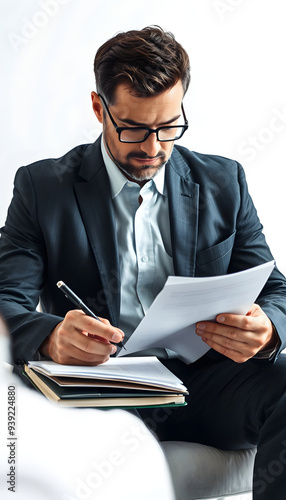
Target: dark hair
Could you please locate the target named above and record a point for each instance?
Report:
(150, 61)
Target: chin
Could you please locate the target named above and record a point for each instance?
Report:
(145, 173)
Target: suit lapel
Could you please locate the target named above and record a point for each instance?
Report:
(183, 195)
(95, 203)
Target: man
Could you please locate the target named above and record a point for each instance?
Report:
(115, 218)
(51, 455)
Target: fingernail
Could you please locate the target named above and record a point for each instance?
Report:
(200, 332)
(113, 349)
(221, 318)
(201, 326)
(116, 337)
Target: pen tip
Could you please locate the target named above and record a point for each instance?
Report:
(60, 283)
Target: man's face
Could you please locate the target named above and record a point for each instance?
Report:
(140, 162)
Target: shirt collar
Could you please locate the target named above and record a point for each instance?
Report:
(116, 177)
(118, 180)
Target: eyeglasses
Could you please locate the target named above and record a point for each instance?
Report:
(140, 134)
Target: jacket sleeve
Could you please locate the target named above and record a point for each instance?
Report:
(251, 249)
(22, 273)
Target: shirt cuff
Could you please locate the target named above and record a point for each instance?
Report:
(269, 353)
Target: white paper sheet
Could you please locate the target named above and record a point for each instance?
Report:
(170, 321)
(146, 370)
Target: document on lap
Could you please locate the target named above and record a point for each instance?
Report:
(170, 321)
(124, 382)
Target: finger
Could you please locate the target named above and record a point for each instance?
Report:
(71, 346)
(242, 322)
(238, 350)
(72, 338)
(97, 353)
(235, 355)
(229, 336)
(96, 337)
(80, 321)
(75, 360)
(228, 324)
(66, 343)
(216, 328)
(107, 322)
(226, 342)
(255, 321)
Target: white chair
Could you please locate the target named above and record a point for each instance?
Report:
(203, 472)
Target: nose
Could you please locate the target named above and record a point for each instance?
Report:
(151, 146)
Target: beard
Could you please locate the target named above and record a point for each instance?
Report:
(142, 173)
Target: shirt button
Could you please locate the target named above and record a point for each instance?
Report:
(145, 258)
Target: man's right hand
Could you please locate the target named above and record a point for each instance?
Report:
(81, 340)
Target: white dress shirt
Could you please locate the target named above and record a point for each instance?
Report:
(144, 241)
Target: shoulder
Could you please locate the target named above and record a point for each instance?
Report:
(83, 161)
(208, 169)
(50, 169)
(45, 181)
(197, 160)
(219, 178)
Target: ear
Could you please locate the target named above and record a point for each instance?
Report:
(97, 106)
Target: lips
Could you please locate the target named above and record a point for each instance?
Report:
(143, 160)
(150, 161)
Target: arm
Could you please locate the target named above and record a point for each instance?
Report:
(22, 273)
(27, 271)
(263, 328)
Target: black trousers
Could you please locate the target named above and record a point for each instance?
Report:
(232, 406)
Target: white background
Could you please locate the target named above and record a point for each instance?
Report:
(236, 104)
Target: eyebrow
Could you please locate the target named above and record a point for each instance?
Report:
(137, 124)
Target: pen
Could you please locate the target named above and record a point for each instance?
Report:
(79, 303)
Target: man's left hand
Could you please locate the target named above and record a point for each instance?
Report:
(239, 337)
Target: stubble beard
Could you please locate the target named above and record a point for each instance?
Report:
(143, 173)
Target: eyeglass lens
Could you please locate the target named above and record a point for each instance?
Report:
(140, 134)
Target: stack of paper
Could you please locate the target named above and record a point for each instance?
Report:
(120, 382)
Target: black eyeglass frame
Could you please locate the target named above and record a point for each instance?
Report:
(149, 130)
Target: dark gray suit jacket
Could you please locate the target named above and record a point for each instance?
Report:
(60, 226)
